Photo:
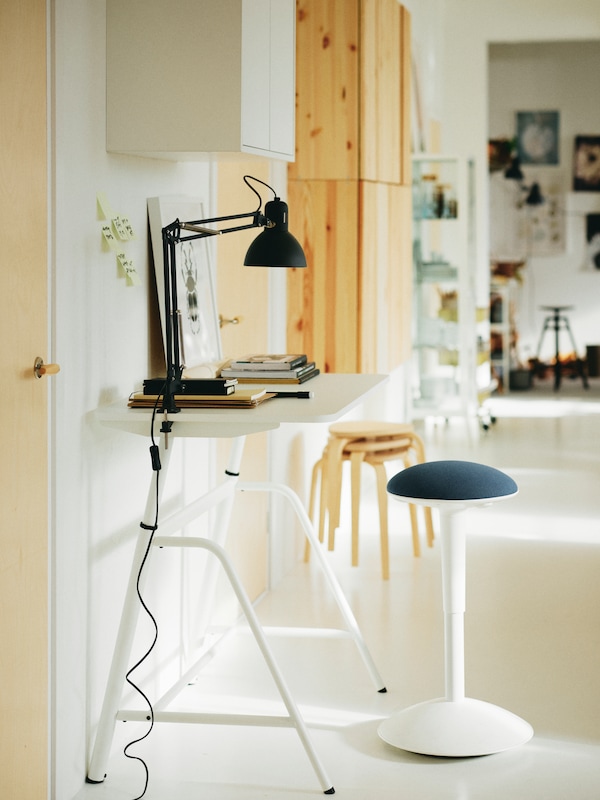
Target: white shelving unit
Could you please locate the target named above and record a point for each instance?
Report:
(451, 335)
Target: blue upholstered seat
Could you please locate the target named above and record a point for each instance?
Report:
(451, 480)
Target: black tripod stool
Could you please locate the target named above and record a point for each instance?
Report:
(557, 322)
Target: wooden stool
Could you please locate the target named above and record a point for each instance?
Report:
(371, 443)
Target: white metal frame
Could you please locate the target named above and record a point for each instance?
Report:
(221, 497)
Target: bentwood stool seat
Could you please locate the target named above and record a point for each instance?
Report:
(373, 443)
(453, 726)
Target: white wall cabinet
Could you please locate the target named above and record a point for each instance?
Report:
(190, 77)
(451, 335)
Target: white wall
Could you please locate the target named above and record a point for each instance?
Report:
(559, 76)
(101, 341)
(470, 26)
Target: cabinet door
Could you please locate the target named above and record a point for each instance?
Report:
(256, 67)
(24, 489)
(385, 276)
(244, 293)
(326, 90)
(323, 300)
(219, 79)
(381, 126)
(268, 70)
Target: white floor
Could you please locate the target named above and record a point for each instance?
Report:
(532, 642)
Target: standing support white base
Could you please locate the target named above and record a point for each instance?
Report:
(455, 729)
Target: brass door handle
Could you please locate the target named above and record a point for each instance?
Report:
(232, 321)
(40, 369)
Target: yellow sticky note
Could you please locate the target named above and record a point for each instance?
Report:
(128, 227)
(128, 267)
(133, 278)
(119, 228)
(109, 237)
(104, 209)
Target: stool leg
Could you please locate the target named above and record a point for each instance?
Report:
(335, 448)
(557, 365)
(383, 519)
(414, 524)
(428, 525)
(356, 460)
(580, 368)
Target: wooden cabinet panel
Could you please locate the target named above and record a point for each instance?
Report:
(385, 276)
(405, 97)
(380, 90)
(351, 182)
(323, 299)
(327, 85)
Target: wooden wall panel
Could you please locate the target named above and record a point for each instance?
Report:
(323, 299)
(327, 86)
(380, 90)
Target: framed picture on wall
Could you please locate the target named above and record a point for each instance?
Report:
(592, 235)
(538, 137)
(199, 322)
(586, 164)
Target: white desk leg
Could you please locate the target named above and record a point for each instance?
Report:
(127, 627)
(219, 535)
(259, 636)
(335, 587)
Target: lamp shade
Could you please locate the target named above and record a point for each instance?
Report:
(275, 246)
(534, 198)
(514, 171)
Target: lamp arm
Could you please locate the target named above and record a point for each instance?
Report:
(173, 231)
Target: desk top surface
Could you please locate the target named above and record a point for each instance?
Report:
(334, 396)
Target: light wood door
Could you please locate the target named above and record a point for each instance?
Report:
(23, 402)
(242, 293)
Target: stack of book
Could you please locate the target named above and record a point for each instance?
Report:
(193, 386)
(271, 369)
(241, 398)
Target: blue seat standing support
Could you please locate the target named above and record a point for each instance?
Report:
(454, 725)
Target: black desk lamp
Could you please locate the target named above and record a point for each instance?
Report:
(273, 247)
(514, 173)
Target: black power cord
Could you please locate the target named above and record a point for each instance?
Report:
(156, 466)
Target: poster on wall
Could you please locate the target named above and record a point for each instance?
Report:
(200, 336)
(542, 228)
(586, 164)
(592, 235)
(538, 137)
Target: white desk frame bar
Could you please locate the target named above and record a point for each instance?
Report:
(221, 496)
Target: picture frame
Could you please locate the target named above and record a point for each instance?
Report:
(538, 137)
(586, 164)
(200, 339)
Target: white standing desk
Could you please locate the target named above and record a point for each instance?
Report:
(334, 395)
